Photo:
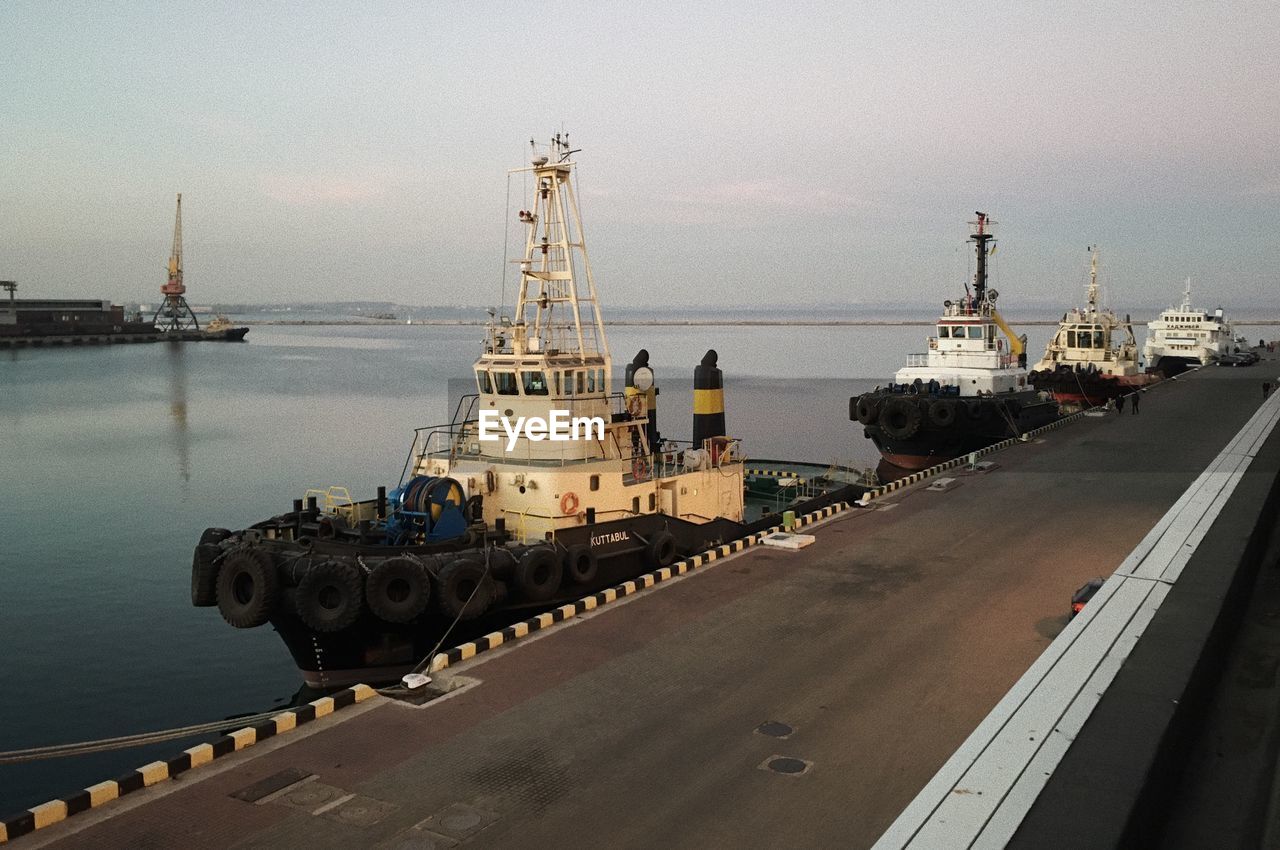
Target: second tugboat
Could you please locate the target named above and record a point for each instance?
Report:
(480, 529)
(1084, 363)
(968, 391)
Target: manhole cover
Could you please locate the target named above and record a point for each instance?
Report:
(786, 765)
(310, 796)
(459, 820)
(361, 811)
(774, 729)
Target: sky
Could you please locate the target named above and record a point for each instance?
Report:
(733, 154)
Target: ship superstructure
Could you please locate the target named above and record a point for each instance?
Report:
(551, 358)
(1186, 336)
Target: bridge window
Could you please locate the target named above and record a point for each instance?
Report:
(944, 332)
(975, 332)
(505, 383)
(535, 383)
(483, 382)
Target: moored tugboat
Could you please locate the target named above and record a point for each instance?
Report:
(493, 521)
(1093, 356)
(968, 391)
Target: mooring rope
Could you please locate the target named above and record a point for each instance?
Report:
(126, 741)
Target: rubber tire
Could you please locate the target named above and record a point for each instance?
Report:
(538, 574)
(329, 581)
(581, 564)
(215, 535)
(204, 575)
(254, 568)
(866, 410)
(454, 586)
(942, 413)
(973, 408)
(661, 551)
(502, 563)
(907, 413)
(398, 573)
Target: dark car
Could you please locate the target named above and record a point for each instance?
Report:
(1084, 594)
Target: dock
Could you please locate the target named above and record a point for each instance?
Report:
(819, 697)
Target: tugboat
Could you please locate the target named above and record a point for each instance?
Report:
(968, 391)
(574, 491)
(221, 329)
(1184, 338)
(1083, 363)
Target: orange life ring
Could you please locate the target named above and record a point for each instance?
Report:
(640, 468)
(569, 503)
(635, 405)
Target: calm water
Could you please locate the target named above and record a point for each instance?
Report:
(113, 459)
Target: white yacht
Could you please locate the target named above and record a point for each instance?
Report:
(1185, 337)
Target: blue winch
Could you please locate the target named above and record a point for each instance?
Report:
(426, 505)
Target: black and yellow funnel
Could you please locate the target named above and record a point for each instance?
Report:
(708, 400)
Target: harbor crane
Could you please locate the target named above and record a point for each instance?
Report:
(174, 314)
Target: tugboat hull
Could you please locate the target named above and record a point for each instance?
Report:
(1088, 389)
(944, 428)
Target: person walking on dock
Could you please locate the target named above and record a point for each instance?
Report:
(1119, 404)
(1136, 397)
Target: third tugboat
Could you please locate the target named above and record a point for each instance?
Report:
(483, 531)
(968, 391)
(1093, 356)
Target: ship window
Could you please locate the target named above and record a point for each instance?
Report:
(581, 381)
(944, 332)
(1071, 339)
(595, 483)
(1097, 340)
(556, 377)
(591, 380)
(482, 381)
(635, 505)
(600, 384)
(653, 502)
(535, 383)
(975, 332)
(957, 332)
(505, 382)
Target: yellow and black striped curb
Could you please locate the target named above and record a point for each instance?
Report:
(55, 811)
(916, 477)
(596, 600)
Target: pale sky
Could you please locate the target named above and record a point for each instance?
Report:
(733, 153)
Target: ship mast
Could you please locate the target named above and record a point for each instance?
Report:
(557, 301)
(1093, 280)
(980, 238)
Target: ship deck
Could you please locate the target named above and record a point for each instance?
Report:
(878, 649)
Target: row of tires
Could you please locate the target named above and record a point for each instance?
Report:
(1063, 369)
(901, 417)
(249, 582)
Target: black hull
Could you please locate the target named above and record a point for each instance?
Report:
(979, 422)
(372, 651)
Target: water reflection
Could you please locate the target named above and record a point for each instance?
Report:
(177, 357)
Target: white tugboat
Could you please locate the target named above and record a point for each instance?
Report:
(546, 487)
(1185, 337)
(967, 391)
(1093, 356)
